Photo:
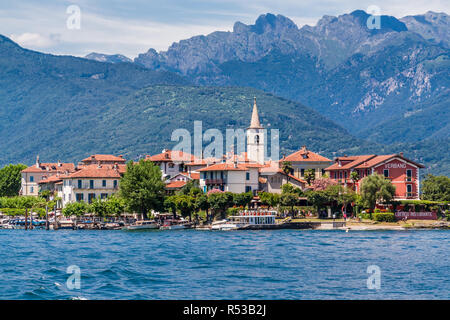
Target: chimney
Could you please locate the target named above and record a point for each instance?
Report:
(37, 161)
(59, 163)
(98, 164)
(401, 154)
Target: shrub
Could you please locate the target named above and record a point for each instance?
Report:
(384, 217)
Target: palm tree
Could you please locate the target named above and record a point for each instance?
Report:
(354, 175)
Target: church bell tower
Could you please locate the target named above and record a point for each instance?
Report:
(255, 138)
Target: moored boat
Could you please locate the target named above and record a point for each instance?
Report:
(142, 225)
(247, 220)
(175, 225)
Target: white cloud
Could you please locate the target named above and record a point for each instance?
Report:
(33, 40)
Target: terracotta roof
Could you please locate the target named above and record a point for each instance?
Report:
(54, 178)
(95, 171)
(305, 155)
(349, 162)
(195, 176)
(204, 162)
(171, 156)
(366, 161)
(175, 185)
(379, 159)
(50, 167)
(104, 157)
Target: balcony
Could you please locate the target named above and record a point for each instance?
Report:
(215, 181)
(409, 179)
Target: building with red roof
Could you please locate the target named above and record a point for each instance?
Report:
(89, 182)
(103, 159)
(34, 174)
(402, 172)
(305, 159)
(171, 162)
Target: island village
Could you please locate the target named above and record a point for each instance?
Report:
(98, 177)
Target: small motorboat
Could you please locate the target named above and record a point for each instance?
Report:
(142, 225)
(175, 225)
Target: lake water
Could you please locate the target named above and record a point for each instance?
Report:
(188, 264)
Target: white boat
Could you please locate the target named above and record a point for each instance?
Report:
(175, 225)
(142, 225)
(66, 224)
(246, 220)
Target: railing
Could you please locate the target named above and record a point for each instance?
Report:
(214, 181)
(411, 194)
(409, 179)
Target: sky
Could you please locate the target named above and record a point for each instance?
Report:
(130, 27)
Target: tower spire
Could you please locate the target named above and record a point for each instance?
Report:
(255, 124)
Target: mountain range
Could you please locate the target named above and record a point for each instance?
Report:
(338, 87)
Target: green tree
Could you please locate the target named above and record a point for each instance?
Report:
(318, 198)
(289, 188)
(201, 203)
(219, 202)
(270, 199)
(170, 205)
(115, 206)
(242, 199)
(75, 209)
(436, 188)
(309, 176)
(141, 186)
(376, 188)
(185, 204)
(289, 200)
(99, 207)
(354, 176)
(10, 179)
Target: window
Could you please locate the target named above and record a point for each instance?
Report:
(409, 175)
(31, 179)
(302, 172)
(115, 184)
(91, 196)
(79, 197)
(257, 139)
(103, 183)
(31, 189)
(345, 174)
(248, 188)
(340, 174)
(79, 184)
(409, 188)
(103, 196)
(247, 175)
(91, 184)
(386, 173)
(323, 171)
(171, 165)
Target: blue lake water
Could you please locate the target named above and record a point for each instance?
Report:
(188, 264)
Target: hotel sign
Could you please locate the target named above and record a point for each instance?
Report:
(395, 165)
(416, 215)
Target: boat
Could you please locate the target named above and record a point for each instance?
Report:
(66, 224)
(247, 220)
(175, 225)
(142, 225)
